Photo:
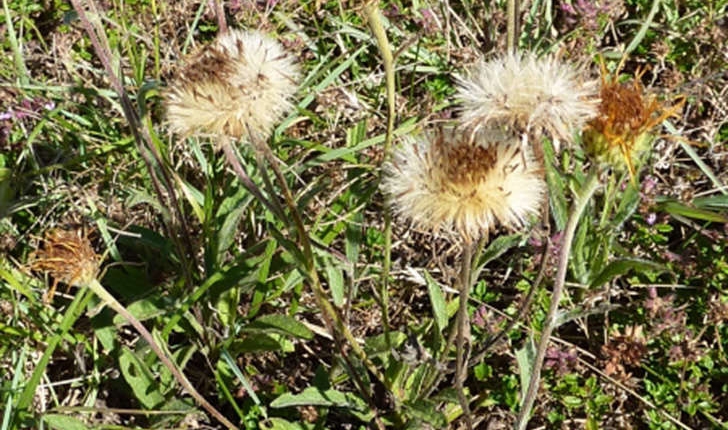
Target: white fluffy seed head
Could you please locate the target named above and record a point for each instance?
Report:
(241, 83)
(462, 186)
(527, 95)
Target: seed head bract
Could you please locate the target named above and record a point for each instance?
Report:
(449, 182)
(526, 94)
(242, 82)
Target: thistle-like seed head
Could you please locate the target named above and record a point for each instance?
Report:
(462, 185)
(527, 95)
(241, 83)
(68, 257)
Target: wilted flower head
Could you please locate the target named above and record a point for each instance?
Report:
(527, 95)
(243, 82)
(67, 255)
(621, 132)
(447, 182)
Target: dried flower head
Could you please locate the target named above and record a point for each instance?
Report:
(451, 183)
(527, 94)
(622, 131)
(68, 257)
(242, 83)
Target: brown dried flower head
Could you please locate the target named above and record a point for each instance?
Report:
(622, 131)
(241, 83)
(67, 255)
(448, 182)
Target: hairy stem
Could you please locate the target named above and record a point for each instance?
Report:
(512, 26)
(463, 330)
(375, 23)
(589, 188)
(109, 300)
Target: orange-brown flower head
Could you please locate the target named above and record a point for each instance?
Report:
(241, 83)
(526, 94)
(461, 185)
(68, 257)
(622, 131)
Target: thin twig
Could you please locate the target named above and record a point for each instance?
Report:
(589, 188)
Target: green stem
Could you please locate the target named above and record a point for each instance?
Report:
(110, 301)
(463, 329)
(375, 23)
(589, 188)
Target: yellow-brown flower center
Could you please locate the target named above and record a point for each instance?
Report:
(463, 164)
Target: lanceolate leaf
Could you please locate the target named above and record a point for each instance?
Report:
(623, 266)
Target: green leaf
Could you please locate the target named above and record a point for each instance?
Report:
(376, 345)
(313, 396)
(437, 298)
(280, 324)
(230, 212)
(63, 422)
(227, 306)
(280, 424)
(427, 411)
(628, 204)
(335, 276)
(257, 342)
(624, 265)
(557, 188)
(194, 197)
(140, 379)
(572, 401)
(141, 309)
(499, 246)
(712, 202)
(678, 209)
(525, 358)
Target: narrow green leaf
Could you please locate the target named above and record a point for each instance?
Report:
(525, 358)
(194, 197)
(336, 282)
(499, 246)
(623, 265)
(63, 422)
(712, 202)
(228, 361)
(437, 298)
(73, 311)
(675, 208)
(313, 396)
(281, 324)
(557, 187)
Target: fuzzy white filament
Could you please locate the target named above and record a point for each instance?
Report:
(527, 94)
(243, 82)
(448, 183)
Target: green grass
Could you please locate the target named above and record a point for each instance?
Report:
(223, 283)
